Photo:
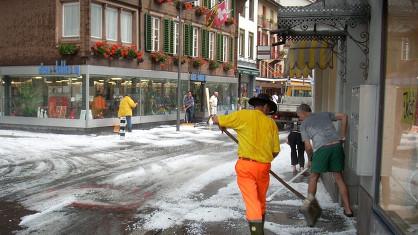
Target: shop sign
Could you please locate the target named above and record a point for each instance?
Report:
(198, 77)
(60, 68)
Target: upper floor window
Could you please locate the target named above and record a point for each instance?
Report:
(71, 19)
(405, 49)
(196, 3)
(250, 45)
(126, 27)
(155, 35)
(211, 45)
(251, 10)
(176, 38)
(195, 48)
(241, 49)
(96, 21)
(111, 24)
(225, 48)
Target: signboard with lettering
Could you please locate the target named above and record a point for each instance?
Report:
(198, 77)
(60, 68)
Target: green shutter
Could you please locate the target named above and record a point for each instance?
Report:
(218, 47)
(148, 32)
(205, 44)
(172, 42)
(191, 40)
(232, 8)
(186, 40)
(231, 49)
(166, 35)
(207, 3)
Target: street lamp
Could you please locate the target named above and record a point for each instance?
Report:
(179, 52)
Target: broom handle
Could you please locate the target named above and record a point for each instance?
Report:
(298, 194)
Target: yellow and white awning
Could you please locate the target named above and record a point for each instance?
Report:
(303, 56)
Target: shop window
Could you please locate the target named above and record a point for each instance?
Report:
(126, 27)
(158, 97)
(44, 97)
(71, 19)
(111, 24)
(96, 21)
(398, 188)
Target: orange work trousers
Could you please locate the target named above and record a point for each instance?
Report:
(253, 180)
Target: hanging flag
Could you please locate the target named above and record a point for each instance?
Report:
(221, 15)
(211, 15)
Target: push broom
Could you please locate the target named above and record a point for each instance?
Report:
(313, 211)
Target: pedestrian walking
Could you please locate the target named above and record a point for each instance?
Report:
(327, 153)
(188, 106)
(213, 103)
(258, 145)
(297, 147)
(125, 110)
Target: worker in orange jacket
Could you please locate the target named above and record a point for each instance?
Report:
(259, 144)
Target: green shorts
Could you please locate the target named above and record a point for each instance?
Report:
(328, 159)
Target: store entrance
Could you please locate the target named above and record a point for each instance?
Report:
(198, 91)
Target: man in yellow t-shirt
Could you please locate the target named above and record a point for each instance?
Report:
(259, 144)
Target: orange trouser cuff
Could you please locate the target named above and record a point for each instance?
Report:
(253, 181)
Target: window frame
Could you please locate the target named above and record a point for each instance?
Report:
(131, 15)
(195, 42)
(100, 27)
(111, 9)
(155, 40)
(225, 40)
(250, 45)
(63, 19)
(176, 37)
(241, 47)
(211, 45)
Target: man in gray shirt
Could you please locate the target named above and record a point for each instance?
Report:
(327, 153)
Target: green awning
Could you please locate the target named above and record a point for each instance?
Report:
(248, 71)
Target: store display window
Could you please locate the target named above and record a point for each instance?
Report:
(43, 97)
(398, 188)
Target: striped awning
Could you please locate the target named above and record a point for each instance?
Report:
(303, 56)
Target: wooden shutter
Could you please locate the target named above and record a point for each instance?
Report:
(148, 32)
(167, 35)
(172, 42)
(231, 49)
(219, 47)
(186, 40)
(232, 8)
(205, 44)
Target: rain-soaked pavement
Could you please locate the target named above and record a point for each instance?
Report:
(98, 184)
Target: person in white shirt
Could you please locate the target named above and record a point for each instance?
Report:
(275, 98)
(213, 103)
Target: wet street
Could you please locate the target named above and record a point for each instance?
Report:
(155, 181)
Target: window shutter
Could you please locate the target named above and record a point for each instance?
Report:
(186, 40)
(232, 8)
(172, 42)
(148, 34)
(190, 40)
(218, 47)
(231, 49)
(167, 33)
(205, 44)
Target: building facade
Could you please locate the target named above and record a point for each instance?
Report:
(70, 65)
(247, 50)
(270, 69)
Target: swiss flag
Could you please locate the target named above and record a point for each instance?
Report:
(221, 14)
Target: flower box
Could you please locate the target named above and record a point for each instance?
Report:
(67, 49)
(158, 57)
(227, 66)
(213, 64)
